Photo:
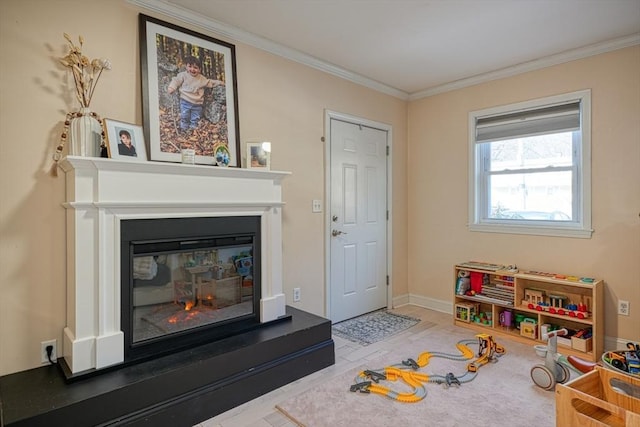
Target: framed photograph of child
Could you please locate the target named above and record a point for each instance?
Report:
(259, 155)
(125, 141)
(189, 93)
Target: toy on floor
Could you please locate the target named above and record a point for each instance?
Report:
(368, 381)
(552, 372)
(580, 365)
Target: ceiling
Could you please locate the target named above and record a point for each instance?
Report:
(423, 46)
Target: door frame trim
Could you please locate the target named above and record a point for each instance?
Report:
(328, 116)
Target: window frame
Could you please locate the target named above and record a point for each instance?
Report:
(580, 226)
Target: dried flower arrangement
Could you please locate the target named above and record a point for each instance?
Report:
(86, 73)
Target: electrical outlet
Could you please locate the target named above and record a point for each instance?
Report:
(43, 351)
(296, 294)
(623, 308)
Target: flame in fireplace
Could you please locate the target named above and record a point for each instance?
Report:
(188, 305)
(183, 317)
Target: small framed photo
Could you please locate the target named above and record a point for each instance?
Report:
(125, 141)
(259, 155)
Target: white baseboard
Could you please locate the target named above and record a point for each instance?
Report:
(400, 300)
(425, 302)
(610, 343)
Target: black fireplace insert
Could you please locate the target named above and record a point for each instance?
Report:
(187, 281)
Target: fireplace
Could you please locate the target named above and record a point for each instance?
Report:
(187, 281)
(212, 228)
(192, 225)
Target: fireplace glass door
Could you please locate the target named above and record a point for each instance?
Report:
(180, 290)
(188, 281)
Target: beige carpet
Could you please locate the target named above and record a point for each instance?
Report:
(502, 394)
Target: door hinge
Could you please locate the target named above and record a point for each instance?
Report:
(387, 280)
(387, 150)
(387, 215)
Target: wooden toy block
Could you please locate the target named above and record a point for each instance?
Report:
(465, 311)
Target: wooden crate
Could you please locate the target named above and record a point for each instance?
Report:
(595, 400)
(582, 344)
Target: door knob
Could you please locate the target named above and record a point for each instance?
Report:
(335, 233)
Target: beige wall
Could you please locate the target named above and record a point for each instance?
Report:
(438, 182)
(279, 100)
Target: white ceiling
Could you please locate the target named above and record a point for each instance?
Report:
(413, 47)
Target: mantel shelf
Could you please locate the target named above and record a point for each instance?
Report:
(69, 163)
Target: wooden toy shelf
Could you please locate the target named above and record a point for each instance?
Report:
(519, 293)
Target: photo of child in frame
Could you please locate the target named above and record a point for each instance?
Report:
(259, 155)
(191, 85)
(126, 146)
(192, 96)
(189, 88)
(124, 141)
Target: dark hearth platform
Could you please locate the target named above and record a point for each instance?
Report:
(180, 389)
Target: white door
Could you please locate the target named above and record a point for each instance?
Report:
(358, 219)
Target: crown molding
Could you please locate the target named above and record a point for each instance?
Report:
(236, 34)
(560, 58)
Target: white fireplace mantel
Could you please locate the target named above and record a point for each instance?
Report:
(100, 193)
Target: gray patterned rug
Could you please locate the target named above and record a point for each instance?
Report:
(373, 327)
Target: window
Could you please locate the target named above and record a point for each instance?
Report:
(530, 167)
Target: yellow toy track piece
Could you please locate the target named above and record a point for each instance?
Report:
(407, 371)
(423, 359)
(467, 353)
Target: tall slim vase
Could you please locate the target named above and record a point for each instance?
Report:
(85, 134)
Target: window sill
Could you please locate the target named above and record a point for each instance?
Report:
(578, 233)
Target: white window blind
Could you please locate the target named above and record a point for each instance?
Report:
(539, 121)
